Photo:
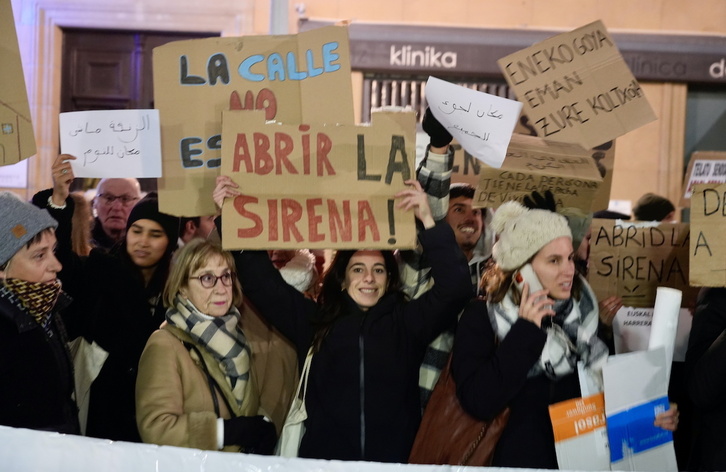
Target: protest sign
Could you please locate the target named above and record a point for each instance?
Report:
(294, 79)
(480, 122)
(630, 260)
(636, 390)
(112, 143)
(705, 167)
(708, 245)
(318, 186)
(14, 175)
(567, 170)
(631, 331)
(17, 141)
(581, 438)
(577, 88)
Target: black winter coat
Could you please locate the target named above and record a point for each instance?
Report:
(490, 377)
(362, 399)
(36, 372)
(706, 370)
(113, 308)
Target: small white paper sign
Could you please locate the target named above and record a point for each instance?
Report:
(14, 175)
(112, 143)
(482, 123)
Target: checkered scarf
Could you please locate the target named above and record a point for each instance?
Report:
(220, 336)
(572, 336)
(37, 298)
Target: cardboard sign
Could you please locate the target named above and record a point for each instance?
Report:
(631, 260)
(576, 87)
(631, 331)
(705, 167)
(17, 141)
(708, 244)
(318, 186)
(581, 438)
(295, 79)
(112, 143)
(481, 122)
(603, 155)
(567, 170)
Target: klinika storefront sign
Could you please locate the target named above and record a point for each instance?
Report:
(388, 48)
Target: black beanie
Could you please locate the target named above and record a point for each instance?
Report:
(148, 209)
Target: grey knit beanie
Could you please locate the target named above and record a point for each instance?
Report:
(19, 222)
(523, 232)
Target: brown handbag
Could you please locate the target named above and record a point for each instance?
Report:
(449, 435)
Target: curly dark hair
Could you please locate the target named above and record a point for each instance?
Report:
(331, 299)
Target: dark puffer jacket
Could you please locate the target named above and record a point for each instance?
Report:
(362, 399)
(36, 372)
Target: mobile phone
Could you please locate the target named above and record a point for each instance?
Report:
(526, 274)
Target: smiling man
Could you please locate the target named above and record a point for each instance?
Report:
(36, 375)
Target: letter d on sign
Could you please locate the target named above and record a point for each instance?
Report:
(718, 69)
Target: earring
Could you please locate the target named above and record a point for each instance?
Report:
(342, 288)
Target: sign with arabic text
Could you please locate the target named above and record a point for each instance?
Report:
(112, 143)
(480, 122)
(532, 163)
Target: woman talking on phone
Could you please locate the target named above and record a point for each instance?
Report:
(520, 347)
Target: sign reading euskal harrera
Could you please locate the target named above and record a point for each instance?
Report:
(317, 186)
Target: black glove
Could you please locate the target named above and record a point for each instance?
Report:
(540, 202)
(436, 131)
(253, 433)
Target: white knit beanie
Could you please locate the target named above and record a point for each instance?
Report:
(523, 232)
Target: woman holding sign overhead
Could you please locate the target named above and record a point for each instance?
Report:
(116, 299)
(368, 340)
(520, 347)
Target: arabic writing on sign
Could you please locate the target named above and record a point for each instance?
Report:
(90, 156)
(450, 107)
(481, 123)
(112, 143)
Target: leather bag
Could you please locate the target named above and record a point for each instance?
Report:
(449, 435)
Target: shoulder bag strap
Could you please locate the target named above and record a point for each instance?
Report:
(213, 385)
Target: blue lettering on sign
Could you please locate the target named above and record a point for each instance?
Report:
(290, 67)
(632, 431)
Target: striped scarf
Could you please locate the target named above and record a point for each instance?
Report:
(37, 298)
(220, 336)
(572, 336)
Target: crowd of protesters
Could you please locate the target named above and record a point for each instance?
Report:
(173, 353)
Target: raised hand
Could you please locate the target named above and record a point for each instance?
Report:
(536, 306)
(225, 188)
(415, 198)
(62, 175)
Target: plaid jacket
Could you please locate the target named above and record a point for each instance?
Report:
(434, 174)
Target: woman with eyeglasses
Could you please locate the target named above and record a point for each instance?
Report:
(116, 303)
(196, 387)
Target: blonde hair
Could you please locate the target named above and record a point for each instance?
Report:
(195, 254)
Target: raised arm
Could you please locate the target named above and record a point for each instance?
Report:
(278, 302)
(437, 309)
